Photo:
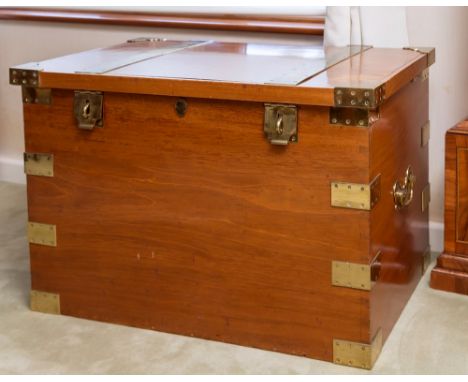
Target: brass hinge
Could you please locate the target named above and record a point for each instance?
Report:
(359, 98)
(88, 109)
(36, 95)
(355, 195)
(425, 134)
(356, 276)
(43, 234)
(24, 77)
(425, 197)
(353, 116)
(45, 302)
(358, 354)
(429, 52)
(426, 259)
(38, 164)
(280, 124)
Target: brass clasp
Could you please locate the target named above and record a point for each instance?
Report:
(280, 125)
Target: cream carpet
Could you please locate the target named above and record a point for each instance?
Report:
(431, 336)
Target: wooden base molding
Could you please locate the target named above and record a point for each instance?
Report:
(451, 272)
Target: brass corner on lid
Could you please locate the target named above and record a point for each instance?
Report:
(429, 52)
(362, 98)
(24, 77)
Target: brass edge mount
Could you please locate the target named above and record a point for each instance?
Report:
(429, 52)
(45, 302)
(353, 116)
(426, 259)
(425, 198)
(361, 98)
(34, 95)
(357, 354)
(39, 164)
(356, 276)
(355, 195)
(42, 234)
(425, 133)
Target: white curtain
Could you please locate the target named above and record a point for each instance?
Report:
(381, 27)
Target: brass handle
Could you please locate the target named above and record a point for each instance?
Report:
(403, 193)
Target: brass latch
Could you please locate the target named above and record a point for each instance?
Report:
(87, 108)
(280, 125)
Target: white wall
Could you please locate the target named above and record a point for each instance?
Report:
(442, 27)
(446, 29)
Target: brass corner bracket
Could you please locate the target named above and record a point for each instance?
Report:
(359, 97)
(425, 133)
(45, 302)
(358, 354)
(347, 116)
(355, 195)
(426, 198)
(356, 276)
(24, 77)
(42, 234)
(35, 95)
(39, 164)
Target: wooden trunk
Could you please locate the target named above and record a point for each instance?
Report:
(191, 207)
(451, 272)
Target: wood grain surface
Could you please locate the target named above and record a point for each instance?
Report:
(402, 235)
(199, 226)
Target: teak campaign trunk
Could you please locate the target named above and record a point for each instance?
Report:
(262, 195)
